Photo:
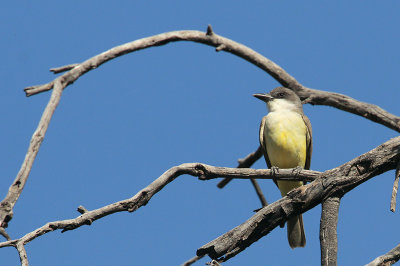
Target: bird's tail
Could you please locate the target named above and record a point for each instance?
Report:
(295, 231)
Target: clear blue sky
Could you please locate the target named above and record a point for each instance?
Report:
(121, 126)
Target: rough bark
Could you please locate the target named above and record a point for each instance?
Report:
(335, 182)
(328, 231)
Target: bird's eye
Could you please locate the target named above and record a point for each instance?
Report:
(281, 95)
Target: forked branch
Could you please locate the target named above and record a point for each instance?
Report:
(331, 183)
(202, 171)
(334, 183)
(312, 96)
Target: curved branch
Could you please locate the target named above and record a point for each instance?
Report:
(348, 104)
(389, 258)
(332, 183)
(342, 102)
(202, 171)
(346, 175)
(335, 182)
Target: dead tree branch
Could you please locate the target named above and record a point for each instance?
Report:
(22, 254)
(328, 232)
(259, 193)
(343, 102)
(15, 190)
(332, 183)
(335, 182)
(202, 171)
(387, 259)
(395, 187)
(312, 96)
(192, 260)
(246, 162)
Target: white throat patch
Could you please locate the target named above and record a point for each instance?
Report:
(278, 105)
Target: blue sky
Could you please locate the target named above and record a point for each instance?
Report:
(122, 125)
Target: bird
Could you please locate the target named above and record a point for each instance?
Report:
(286, 141)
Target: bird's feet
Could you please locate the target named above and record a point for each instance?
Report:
(275, 170)
(297, 170)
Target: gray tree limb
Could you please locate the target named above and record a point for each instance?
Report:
(192, 260)
(395, 187)
(15, 190)
(246, 162)
(363, 169)
(312, 96)
(202, 171)
(23, 257)
(331, 183)
(387, 259)
(328, 232)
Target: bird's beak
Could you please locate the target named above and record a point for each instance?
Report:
(265, 97)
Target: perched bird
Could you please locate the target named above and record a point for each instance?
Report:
(286, 139)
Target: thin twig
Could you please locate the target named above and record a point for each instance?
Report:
(246, 162)
(32, 90)
(63, 68)
(387, 259)
(395, 187)
(259, 192)
(192, 260)
(328, 231)
(4, 233)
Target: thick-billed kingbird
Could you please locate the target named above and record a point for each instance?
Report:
(286, 139)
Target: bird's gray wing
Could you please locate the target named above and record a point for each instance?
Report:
(308, 141)
(263, 142)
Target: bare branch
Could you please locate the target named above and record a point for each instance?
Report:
(38, 88)
(192, 260)
(22, 254)
(395, 187)
(335, 182)
(348, 104)
(259, 192)
(328, 232)
(246, 162)
(4, 233)
(56, 70)
(203, 171)
(15, 190)
(332, 183)
(387, 259)
(369, 111)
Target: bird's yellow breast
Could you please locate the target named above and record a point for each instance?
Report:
(285, 134)
(285, 137)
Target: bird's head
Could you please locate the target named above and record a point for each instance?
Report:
(281, 99)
